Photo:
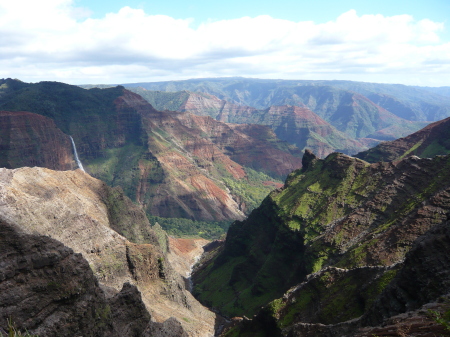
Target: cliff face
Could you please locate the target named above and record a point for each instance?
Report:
(304, 128)
(29, 139)
(339, 212)
(49, 290)
(427, 142)
(111, 233)
(405, 299)
(187, 187)
(250, 145)
(172, 169)
(202, 104)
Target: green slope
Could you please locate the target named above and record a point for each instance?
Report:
(339, 212)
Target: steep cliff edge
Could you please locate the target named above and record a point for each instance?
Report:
(338, 212)
(410, 298)
(28, 139)
(111, 233)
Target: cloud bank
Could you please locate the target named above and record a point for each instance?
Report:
(53, 40)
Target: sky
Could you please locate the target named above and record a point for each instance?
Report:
(116, 41)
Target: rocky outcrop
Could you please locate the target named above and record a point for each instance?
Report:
(430, 141)
(374, 263)
(407, 299)
(339, 212)
(84, 213)
(28, 139)
(49, 290)
(424, 277)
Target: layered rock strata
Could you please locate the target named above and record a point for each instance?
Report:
(28, 139)
(49, 290)
(171, 163)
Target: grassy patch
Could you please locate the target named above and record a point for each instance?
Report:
(252, 190)
(180, 227)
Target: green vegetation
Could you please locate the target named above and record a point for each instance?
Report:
(441, 318)
(13, 332)
(412, 149)
(312, 223)
(437, 147)
(162, 100)
(190, 228)
(251, 190)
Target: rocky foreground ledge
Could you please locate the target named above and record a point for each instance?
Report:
(79, 258)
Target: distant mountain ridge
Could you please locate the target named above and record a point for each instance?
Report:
(424, 104)
(296, 125)
(352, 112)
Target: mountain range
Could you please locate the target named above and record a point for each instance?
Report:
(347, 246)
(358, 114)
(359, 109)
(412, 103)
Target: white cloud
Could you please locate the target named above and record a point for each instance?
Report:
(53, 40)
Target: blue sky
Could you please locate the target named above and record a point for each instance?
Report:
(116, 41)
(317, 11)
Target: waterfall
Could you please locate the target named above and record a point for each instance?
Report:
(76, 155)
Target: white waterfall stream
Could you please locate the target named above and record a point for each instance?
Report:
(76, 155)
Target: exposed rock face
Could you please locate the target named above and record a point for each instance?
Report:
(295, 124)
(203, 104)
(250, 145)
(172, 169)
(185, 173)
(428, 142)
(338, 212)
(424, 277)
(419, 284)
(184, 253)
(194, 151)
(29, 139)
(49, 290)
(305, 129)
(83, 213)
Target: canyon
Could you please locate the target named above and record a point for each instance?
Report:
(175, 164)
(348, 246)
